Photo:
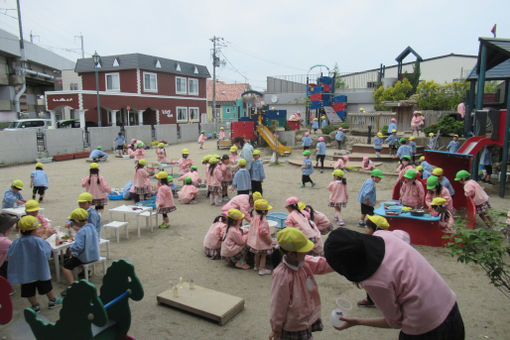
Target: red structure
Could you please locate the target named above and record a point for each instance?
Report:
(136, 89)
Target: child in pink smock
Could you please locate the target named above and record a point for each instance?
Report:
(295, 301)
(234, 157)
(411, 191)
(222, 133)
(480, 198)
(233, 245)
(214, 183)
(97, 186)
(227, 171)
(439, 208)
(342, 162)
(139, 153)
(367, 164)
(243, 202)
(435, 189)
(164, 199)
(7, 224)
(213, 238)
(259, 237)
(188, 192)
(321, 220)
(297, 219)
(161, 153)
(32, 208)
(338, 195)
(201, 139)
(141, 181)
(185, 162)
(417, 123)
(193, 173)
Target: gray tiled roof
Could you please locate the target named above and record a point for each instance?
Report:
(145, 62)
(498, 72)
(498, 50)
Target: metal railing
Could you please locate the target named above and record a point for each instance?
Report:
(377, 120)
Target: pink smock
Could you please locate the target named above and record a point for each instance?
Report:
(187, 193)
(338, 192)
(259, 236)
(214, 235)
(412, 195)
(184, 165)
(98, 191)
(234, 242)
(241, 202)
(474, 190)
(165, 197)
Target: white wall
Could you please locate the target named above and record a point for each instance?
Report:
(140, 132)
(60, 141)
(18, 146)
(103, 136)
(189, 132)
(166, 132)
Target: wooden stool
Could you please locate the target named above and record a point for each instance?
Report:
(116, 225)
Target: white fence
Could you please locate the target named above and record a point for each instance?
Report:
(18, 146)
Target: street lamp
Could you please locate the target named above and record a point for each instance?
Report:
(96, 58)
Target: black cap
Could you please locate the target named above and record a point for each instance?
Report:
(354, 255)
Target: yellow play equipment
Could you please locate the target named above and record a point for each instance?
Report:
(273, 142)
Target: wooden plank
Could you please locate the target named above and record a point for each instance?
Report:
(331, 164)
(210, 304)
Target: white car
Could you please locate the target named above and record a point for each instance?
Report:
(30, 123)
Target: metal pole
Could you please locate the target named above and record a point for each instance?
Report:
(504, 159)
(481, 78)
(98, 101)
(214, 80)
(82, 48)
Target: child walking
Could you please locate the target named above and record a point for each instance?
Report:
(393, 125)
(214, 184)
(257, 173)
(404, 149)
(295, 301)
(338, 195)
(478, 195)
(214, 236)
(38, 182)
(367, 195)
(185, 162)
(233, 245)
(392, 141)
(315, 125)
(378, 144)
(188, 192)
(28, 264)
(412, 193)
(201, 139)
(259, 237)
(97, 186)
(164, 199)
(141, 181)
(306, 141)
(161, 153)
(242, 179)
(307, 169)
(321, 153)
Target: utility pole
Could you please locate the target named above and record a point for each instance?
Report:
(23, 62)
(218, 42)
(82, 48)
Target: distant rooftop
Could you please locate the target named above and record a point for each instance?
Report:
(225, 92)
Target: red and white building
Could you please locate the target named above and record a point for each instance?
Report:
(136, 89)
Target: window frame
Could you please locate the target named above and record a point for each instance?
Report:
(197, 115)
(185, 85)
(106, 81)
(145, 89)
(177, 108)
(189, 90)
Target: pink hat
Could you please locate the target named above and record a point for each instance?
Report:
(365, 159)
(307, 133)
(321, 139)
(403, 235)
(346, 158)
(415, 112)
(393, 119)
(340, 129)
(291, 200)
(133, 140)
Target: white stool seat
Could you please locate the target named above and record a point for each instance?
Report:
(116, 225)
(92, 265)
(107, 242)
(148, 218)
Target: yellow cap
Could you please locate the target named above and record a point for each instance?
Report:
(456, 135)
(28, 222)
(185, 151)
(438, 201)
(241, 162)
(39, 165)
(437, 172)
(419, 168)
(379, 134)
(213, 160)
(338, 173)
(256, 195)
(323, 117)
(222, 128)
(32, 205)
(235, 214)
(301, 205)
(292, 239)
(85, 197)
(362, 109)
(18, 183)
(256, 152)
(316, 118)
(422, 158)
(205, 158)
(233, 148)
(379, 221)
(431, 134)
(79, 214)
(94, 166)
(142, 161)
(161, 175)
(394, 130)
(161, 145)
(262, 204)
(412, 138)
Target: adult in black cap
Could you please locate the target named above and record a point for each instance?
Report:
(7, 222)
(411, 295)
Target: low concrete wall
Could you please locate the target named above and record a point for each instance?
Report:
(18, 146)
(189, 132)
(166, 132)
(289, 137)
(103, 136)
(61, 141)
(140, 132)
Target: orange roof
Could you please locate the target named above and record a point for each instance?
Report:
(225, 92)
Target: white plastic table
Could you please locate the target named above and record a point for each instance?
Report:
(128, 209)
(56, 253)
(19, 211)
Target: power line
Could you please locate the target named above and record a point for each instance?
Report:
(235, 69)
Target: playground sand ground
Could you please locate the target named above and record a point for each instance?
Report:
(166, 255)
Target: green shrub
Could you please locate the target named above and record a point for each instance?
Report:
(433, 96)
(447, 125)
(384, 129)
(344, 125)
(329, 128)
(400, 91)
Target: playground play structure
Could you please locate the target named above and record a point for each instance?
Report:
(84, 314)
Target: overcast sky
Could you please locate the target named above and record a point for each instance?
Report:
(263, 38)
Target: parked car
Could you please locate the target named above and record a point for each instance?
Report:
(31, 123)
(74, 123)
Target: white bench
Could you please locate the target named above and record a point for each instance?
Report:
(148, 218)
(116, 225)
(92, 265)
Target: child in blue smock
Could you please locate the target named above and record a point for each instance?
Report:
(306, 169)
(367, 195)
(85, 248)
(306, 141)
(38, 182)
(324, 122)
(433, 141)
(392, 141)
(85, 202)
(412, 145)
(321, 153)
(339, 137)
(12, 196)
(486, 162)
(404, 149)
(315, 125)
(257, 172)
(426, 165)
(454, 144)
(28, 263)
(242, 178)
(378, 144)
(393, 125)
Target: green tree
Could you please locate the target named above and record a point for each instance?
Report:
(432, 96)
(400, 91)
(339, 81)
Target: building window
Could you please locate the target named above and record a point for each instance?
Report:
(182, 114)
(150, 82)
(194, 114)
(180, 85)
(112, 82)
(227, 110)
(193, 86)
(73, 86)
